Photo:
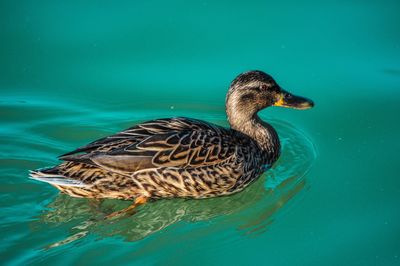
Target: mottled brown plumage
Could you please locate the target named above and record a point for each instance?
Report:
(180, 157)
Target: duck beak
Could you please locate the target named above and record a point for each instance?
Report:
(289, 100)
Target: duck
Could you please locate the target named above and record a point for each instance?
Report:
(180, 157)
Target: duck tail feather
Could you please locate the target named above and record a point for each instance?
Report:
(55, 179)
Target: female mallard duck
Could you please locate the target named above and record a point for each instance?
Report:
(180, 157)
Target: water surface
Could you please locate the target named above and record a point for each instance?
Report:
(74, 72)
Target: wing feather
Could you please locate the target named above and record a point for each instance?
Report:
(175, 142)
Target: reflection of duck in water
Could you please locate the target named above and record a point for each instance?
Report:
(249, 212)
(180, 157)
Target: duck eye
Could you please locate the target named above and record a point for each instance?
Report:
(263, 87)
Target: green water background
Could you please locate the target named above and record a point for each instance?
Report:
(75, 71)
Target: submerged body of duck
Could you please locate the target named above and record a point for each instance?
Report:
(180, 157)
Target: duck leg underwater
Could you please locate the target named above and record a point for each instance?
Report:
(138, 201)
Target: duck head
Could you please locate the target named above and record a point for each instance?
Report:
(253, 91)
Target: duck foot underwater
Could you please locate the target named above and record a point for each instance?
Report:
(138, 201)
(180, 157)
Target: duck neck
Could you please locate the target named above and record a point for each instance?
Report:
(263, 133)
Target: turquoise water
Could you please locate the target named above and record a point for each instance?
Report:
(74, 72)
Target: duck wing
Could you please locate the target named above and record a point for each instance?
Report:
(175, 142)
